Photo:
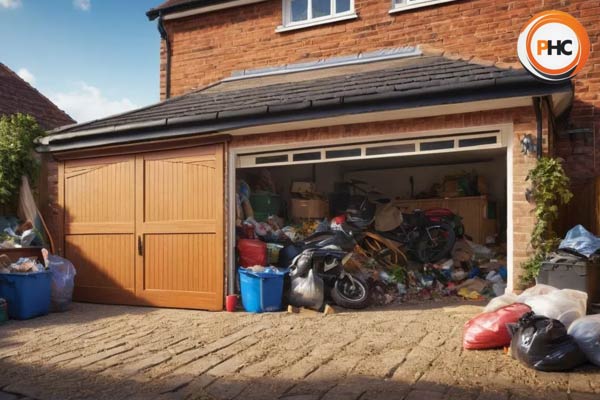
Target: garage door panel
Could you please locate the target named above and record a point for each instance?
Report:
(102, 261)
(180, 262)
(101, 191)
(147, 229)
(180, 189)
(180, 223)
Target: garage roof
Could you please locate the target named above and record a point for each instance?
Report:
(261, 99)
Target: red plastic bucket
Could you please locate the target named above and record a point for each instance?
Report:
(252, 252)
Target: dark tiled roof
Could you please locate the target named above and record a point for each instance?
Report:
(18, 96)
(180, 5)
(252, 97)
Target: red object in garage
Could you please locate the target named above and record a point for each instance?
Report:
(489, 330)
(252, 252)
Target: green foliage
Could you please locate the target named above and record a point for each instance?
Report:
(550, 189)
(17, 133)
(399, 274)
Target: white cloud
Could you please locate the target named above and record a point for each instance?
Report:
(10, 3)
(26, 76)
(87, 103)
(83, 5)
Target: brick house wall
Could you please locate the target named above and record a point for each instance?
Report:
(208, 47)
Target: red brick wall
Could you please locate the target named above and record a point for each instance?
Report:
(210, 46)
(522, 118)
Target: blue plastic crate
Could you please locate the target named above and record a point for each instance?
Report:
(261, 291)
(27, 295)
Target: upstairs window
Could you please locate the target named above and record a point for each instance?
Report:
(400, 5)
(303, 13)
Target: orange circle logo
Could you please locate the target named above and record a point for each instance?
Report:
(553, 46)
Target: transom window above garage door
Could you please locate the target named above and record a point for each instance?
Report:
(379, 149)
(304, 13)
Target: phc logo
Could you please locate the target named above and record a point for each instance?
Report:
(553, 46)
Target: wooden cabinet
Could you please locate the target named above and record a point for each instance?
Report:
(473, 210)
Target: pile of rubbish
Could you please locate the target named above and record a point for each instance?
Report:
(367, 254)
(25, 294)
(545, 328)
(16, 235)
(23, 265)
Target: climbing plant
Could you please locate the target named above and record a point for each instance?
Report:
(17, 157)
(549, 190)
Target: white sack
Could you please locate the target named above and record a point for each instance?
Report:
(586, 332)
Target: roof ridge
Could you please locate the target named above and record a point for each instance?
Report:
(450, 55)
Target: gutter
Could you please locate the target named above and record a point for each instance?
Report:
(164, 35)
(190, 8)
(229, 120)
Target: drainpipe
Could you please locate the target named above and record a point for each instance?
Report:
(164, 35)
(537, 105)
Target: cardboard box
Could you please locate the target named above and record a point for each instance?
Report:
(451, 188)
(309, 209)
(303, 187)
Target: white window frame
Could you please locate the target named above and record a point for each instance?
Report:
(289, 25)
(404, 5)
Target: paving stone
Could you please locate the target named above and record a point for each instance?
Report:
(493, 395)
(403, 352)
(581, 396)
(424, 395)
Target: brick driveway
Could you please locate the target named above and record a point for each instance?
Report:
(408, 352)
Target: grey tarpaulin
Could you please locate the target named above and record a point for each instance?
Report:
(581, 241)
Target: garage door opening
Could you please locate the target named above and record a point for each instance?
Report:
(302, 189)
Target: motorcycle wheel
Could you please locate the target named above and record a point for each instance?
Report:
(436, 243)
(351, 293)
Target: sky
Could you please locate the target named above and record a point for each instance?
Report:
(92, 58)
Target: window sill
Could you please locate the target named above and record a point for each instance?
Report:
(309, 24)
(401, 8)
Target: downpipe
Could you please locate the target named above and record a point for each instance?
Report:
(164, 35)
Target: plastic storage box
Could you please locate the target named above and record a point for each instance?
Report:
(265, 204)
(27, 295)
(567, 271)
(261, 291)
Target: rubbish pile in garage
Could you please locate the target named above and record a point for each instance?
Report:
(361, 253)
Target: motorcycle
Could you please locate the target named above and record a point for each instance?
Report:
(428, 235)
(326, 254)
(428, 238)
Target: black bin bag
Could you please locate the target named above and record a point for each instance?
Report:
(543, 343)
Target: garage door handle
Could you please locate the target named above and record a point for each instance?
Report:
(140, 246)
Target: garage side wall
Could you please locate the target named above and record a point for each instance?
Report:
(523, 120)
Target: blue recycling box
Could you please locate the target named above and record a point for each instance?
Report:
(27, 295)
(261, 291)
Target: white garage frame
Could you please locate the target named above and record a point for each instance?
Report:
(242, 158)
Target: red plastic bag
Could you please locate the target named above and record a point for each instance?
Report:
(489, 331)
(252, 252)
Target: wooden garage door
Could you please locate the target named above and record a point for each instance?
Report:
(147, 229)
